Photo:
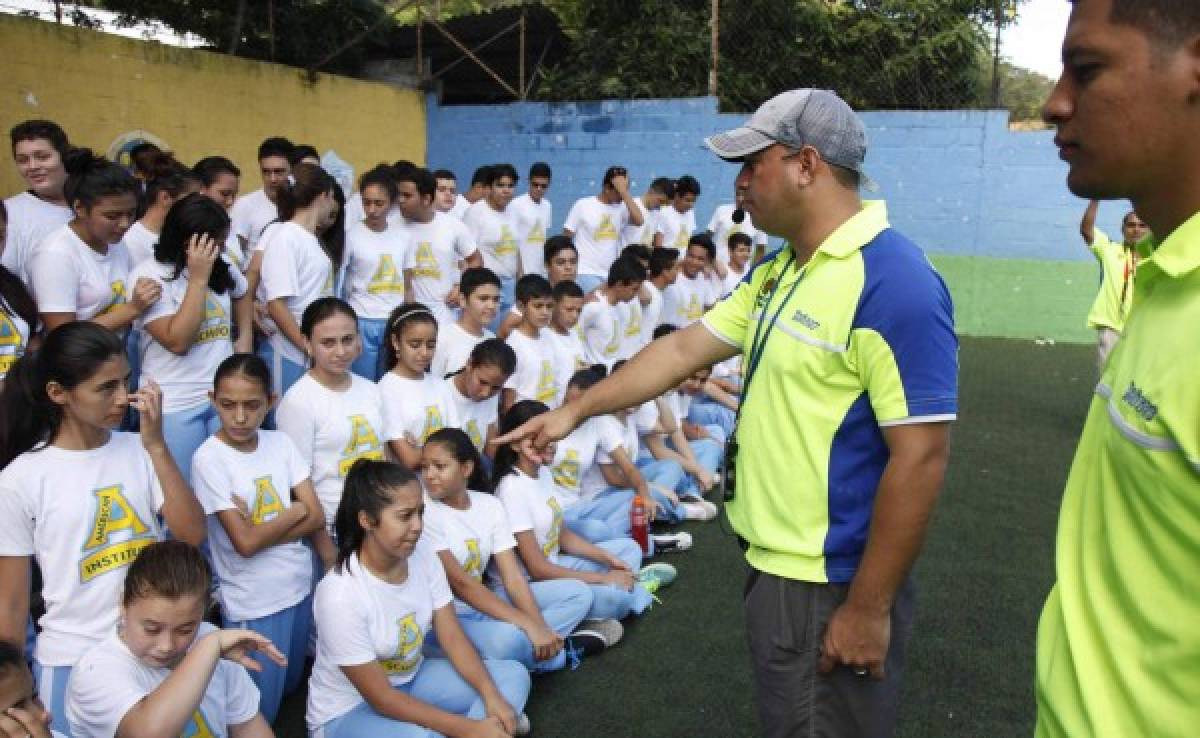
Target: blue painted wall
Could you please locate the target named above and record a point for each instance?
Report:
(960, 183)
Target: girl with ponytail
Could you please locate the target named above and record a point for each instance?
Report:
(374, 611)
(80, 498)
(81, 270)
(167, 182)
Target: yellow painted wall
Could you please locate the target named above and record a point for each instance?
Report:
(98, 87)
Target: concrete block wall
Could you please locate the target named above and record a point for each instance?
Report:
(988, 204)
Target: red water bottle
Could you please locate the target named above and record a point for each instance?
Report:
(637, 519)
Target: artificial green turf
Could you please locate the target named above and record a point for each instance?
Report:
(682, 669)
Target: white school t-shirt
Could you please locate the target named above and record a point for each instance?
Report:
(496, 234)
(355, 214)
(732, 279)
(414, 409)
(536, 376)
(297, 270)
(597, 229)
(533, 221)
(627, 431)
(332, 429)
(277, 577)
(533, 503)
(651, 311)
(109, 681)
(140, 242)
(460, 207)
(251, 214)
(14, 337)
(472, 536)
(474, 418)
(437, 247)
(30, 220)
(631, 317)
(360, 618)
(685, 301)
(374, 263)
(67, 276)
(600, 327)
(454, 347)
(722, 227)
(85, 516)
(644, 233)
(676, 227)
(570, 355)
(185, 380)
(576, 476)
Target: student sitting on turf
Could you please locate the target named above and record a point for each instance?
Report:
(375, 609)
(518, 620)
(535, 377)
(165, 671)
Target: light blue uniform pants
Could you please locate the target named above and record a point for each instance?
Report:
(608, 600)
(288, 629)
(185, 430)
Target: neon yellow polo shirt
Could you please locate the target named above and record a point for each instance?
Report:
(866, 341)
(1118, 267)
(1118, 649)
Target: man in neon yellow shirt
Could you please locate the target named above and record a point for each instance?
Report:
(850, 384)
(1118, 268)
(1118, 649)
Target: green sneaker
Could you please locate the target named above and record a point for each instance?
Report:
(656, 576)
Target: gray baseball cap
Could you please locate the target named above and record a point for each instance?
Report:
(798, 118)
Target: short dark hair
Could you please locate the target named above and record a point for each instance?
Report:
(664, 329)
(482, 176)
(33, 130)
(625, 271)
(502, 170)
(540, 169)
(421, 177)
(476, 277)
(1167, 22)
(567, 288)
(382, 175)
(91, 177)
(275, 146)
(444, 174)
(300, 152)
(639, 251)
(533, 287)
(210, 167)
(494, 352)
(661, 260)
(705, 240)
(554, 244)
(687, 185)
(613, 171)
(663, 186)
(740, 239)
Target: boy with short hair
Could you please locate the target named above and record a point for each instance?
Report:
(663, 271)
(495, 232)
(445, 197)
(570, 355)
(677, 222)
(602, 323)
(685, 301)
(733, 270)
(38, 147)
(660, 192)
(595, 224)
(480, 290)
(254, 211)
(532, 213)
(535, 377)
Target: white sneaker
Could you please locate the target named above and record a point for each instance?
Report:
(695, 508)
(667, 542)
(523, 726)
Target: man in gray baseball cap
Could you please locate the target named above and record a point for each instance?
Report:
(849, 385)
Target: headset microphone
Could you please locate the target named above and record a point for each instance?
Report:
(738, 216)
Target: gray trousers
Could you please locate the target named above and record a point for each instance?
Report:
(785, 627)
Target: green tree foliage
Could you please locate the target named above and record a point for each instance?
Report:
(1023, 92)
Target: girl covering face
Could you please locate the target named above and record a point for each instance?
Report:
(375, 609)
(165, 671)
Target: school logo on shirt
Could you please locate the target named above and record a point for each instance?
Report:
(197, 727)
(10, 339)
(605, 230)
(566, 472)
(327, 288)
(507, 243)
(615, 344)
(473, 566)
(408, 652)
(555, 527)
(117, 295)
(216, 322)
(634, 327)
(681, 240)
(363, 444)
(426, 263)
(387, 280)
(694, 310)
(547, 386)
(537, 234)
(476, 437)
(115, 519)
(433, 422)
(267, 503)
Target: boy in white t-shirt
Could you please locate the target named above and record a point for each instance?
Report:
(570, 355)
(439, 242)
(535, 377)
(596, 224)
(722, 226)
(662, 273)
(446, 191)
(480, 289)
(603, 320)
(693, 292)
(659, 193)
(254, 211)
(737, 264)
(677, 222)
(494, 229)
(38, 147)
(533, 214)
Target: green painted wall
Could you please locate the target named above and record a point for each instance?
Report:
(1021, 298)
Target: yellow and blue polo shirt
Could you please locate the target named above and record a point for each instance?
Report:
(1118, 648)
(866, 341)
(1118, 267)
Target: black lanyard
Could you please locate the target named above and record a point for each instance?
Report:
(758, 344)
